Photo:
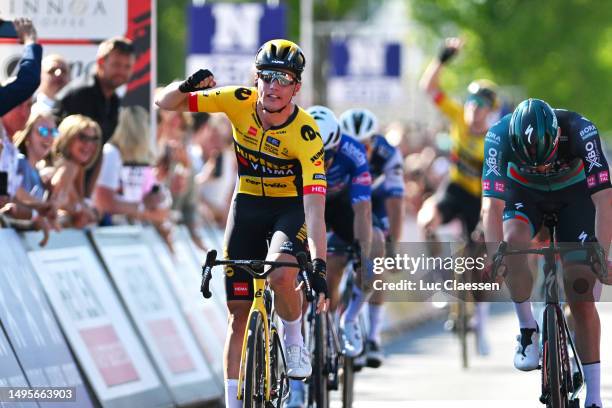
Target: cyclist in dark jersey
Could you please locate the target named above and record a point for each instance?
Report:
(536, 160)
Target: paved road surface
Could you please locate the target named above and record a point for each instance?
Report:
(422, 369)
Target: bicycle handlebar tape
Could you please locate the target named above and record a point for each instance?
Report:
(446, 54)
(191, 83)
(211, 256)
(302, 260)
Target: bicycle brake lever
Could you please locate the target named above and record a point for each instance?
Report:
(305, 269)
(211, 256)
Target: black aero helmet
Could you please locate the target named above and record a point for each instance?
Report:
(284, 54)
(533, 132)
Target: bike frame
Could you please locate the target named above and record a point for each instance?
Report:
(260, 288)
(259, 305)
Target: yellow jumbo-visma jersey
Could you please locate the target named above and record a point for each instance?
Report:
(283, 161)
(467, 150)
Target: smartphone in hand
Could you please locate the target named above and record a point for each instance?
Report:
(7, 29)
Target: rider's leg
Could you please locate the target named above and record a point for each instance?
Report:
(517, 233)
(288, 239)
(580, 284)
(237, 320)
(375, 304)
(335, 267)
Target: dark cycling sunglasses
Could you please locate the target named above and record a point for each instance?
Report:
(46, 131)
(283, 78)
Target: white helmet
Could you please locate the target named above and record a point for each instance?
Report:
(328, 125)
(360, 124)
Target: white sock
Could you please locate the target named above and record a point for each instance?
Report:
(354, 306)
(525, 315)
(293, 332)
(592, 378)
(375, 315)
(231, 391)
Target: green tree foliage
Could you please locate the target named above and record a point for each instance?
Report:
(171, 39)
(557, 50)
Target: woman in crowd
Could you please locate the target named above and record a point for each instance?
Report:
(126, 177)
(75, 150)
(215, 167)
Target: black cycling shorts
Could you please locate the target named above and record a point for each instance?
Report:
(576, 210)
(340, 218)
(458, 203)
(253, 220)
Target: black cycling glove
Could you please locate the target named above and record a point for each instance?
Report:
(446, 54)
(319, 273)
(191, 83)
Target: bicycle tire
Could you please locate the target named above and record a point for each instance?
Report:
(557, 397)
(348, 382)
(462, 332)
(254, 377)
(279, 381)
(319, 369)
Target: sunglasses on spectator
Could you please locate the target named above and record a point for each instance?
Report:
(85, 138)
(283, 78)
(47, 131)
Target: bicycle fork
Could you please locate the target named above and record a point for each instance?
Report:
(258, 305)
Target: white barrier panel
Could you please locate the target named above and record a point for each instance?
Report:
(31, 327)
(187, 248)
(144, 289)
(205, 317)
(95, 322)
(10, 373)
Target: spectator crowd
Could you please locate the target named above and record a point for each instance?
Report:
(72, 156)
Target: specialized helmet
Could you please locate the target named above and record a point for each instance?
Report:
(284, 54)
(533, 132)
(328, 125)
(485, 91)
(360, 124)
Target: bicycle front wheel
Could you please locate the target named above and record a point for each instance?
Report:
(254, 395)
(554, 365)
(348, 380)
(319, 369)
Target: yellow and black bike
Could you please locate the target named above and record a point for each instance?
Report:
(262, 381)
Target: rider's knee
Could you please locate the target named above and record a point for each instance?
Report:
(517, 233)
(282, 279)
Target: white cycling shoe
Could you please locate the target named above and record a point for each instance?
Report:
(527, 355)
(298, 362)
(352, 341)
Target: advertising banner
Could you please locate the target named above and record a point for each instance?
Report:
(206, 318)
(29, 322)
(156, 313)
(95, 322)
(224, 38)
(73, 29)
(365, 71)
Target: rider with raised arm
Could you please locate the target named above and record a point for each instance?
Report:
(540, 159)
(468, 124)
(280, 192)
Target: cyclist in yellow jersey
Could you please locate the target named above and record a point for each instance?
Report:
(280, 192)
(468, 126)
